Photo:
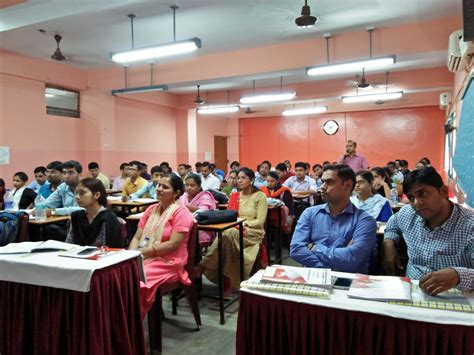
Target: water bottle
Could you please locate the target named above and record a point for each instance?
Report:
(8, 200)
(40, 208)
(144, 243)
(394, 195)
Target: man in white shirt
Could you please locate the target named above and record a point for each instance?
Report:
(301, 185)
(119, 180)
(208, 181)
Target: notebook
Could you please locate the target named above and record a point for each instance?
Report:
(380, 288)
(298, 275)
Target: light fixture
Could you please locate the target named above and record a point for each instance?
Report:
(140, 89)
(264, 98)
(348, 67)
(156, 51)
(218, 109)
(49, 95)
(305, 111)
(306, 20)
(373, 97)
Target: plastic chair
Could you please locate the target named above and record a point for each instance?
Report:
(155, 315)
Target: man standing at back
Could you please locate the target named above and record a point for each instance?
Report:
(356, 161)
(335, 235)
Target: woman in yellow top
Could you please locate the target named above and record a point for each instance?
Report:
(251, 204)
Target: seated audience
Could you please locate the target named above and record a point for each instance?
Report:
(208, 180)
(251, 204)
(421, 164)
(195, 199)
(231, 182)
(404, 168)
(165, 166)
(95, 225)
(288, 168)
(40, 178)
(149, 189)
(355, 160)
(54, 172)
(183, 171)
(167, 225)
(395, 175)
(439, 235)
(335, 235)
(317, 173)
(217, 172)
(374, 204)
(301, 185)
(276, 191)
(144, 172)
(382, 183)
(23, 197)
(120, 180)
(282, 172)
(263, 170)
(134, 181)
(94, 172)
(198, 167)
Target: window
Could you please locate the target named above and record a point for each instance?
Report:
(61, 102)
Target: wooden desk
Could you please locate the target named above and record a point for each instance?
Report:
(113, 191)
(219, 228)
(131, 204)
(49, 220)
(397, 206)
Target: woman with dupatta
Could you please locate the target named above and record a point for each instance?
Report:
(275, 190)
(251, 205)
(167, 225)
(195, 199)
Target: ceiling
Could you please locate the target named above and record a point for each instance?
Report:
(92, 29)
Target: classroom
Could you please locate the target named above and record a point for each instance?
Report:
(236, 177)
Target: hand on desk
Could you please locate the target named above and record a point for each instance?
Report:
(391, 259)
(439, 281)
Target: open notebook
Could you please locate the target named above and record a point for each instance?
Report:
(33, 247)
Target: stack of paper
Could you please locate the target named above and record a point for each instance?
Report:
(298, 275)
(380, 288)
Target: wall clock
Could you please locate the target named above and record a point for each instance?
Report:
(330, 127)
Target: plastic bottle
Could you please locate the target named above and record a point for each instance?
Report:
(40, 208)
(394, 195)
(8, 200)
(144, 243)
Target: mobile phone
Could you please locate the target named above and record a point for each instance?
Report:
(87, 251)
(342, 283)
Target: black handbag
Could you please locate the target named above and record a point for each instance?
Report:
(216, 216)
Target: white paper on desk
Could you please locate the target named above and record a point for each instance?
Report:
(53, 245)
(114, 198)
(145, 200)
(19, 248)
(137, 215)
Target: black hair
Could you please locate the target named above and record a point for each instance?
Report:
(281, 167)
(391, 162)
(326, 162)
(55, 165)
(176, 183)
(195, 177)
(426, 160)
(72, 164)
(156, 169)
(366, 175)
(93, 165)
(165, 163)
(235, 162)
(212, 166)
(39, 169)
(300, 164)
(2, 182)
(95, 185)
(403, 163)
(21, 175)
(316, 165)
(236, 172)
(274, 175)
(344, 172)
(182, 164)
(206, 164)
(198, 164)
(426, 176)
(137, 163)
(383, 173)
(266, 162)
(123, 165)
(250, 174)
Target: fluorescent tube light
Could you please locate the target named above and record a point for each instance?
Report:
(373, 97)
(218, 109)
(158, 51)
(255, 99)
(137, 90)
(305, 111)
(349, 67)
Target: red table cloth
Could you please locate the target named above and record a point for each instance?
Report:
(271, 326)
(46, 320)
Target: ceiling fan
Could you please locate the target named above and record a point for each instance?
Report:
(198, 100)
(249, 111)
(58, 55)
(361, 82)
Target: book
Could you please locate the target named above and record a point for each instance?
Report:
(95, 253)
(380, 288)
(295, 289)
(34, 247)
(298, 275)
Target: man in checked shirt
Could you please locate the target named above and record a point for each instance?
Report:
(439, 235)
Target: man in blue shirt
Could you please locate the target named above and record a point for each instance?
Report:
(439, 235)
(40, 178)
(335, 235)
(150, 188)
(54, 172)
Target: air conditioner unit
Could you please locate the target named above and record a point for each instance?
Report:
(444, 100)
(466, 49)
(454, 52)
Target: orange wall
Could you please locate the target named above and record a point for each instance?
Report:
(381, 136)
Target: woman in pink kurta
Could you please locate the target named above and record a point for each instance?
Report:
(167, 226)
(197, 200)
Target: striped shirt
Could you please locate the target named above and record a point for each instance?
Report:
(450, 245)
